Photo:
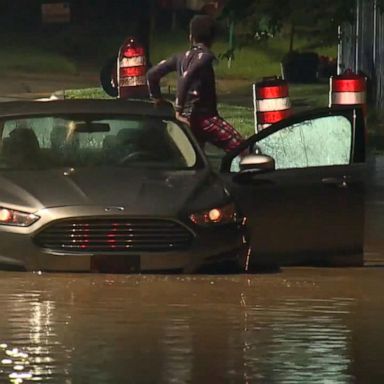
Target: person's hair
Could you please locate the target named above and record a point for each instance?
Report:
(202, 29)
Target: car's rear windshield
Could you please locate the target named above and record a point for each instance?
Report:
(56, 141)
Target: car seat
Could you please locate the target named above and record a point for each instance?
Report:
(21, 148)
(109, 148)
(128, 137)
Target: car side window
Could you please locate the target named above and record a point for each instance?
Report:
(319, 142)
(181, 143)
(40, 126)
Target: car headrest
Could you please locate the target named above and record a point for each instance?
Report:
(22, 140)
(21, 148)
(128, 136)
(109, 142)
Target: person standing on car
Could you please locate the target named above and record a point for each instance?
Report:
(196, 100)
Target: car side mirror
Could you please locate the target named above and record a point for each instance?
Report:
(253, 165)
(256, 164)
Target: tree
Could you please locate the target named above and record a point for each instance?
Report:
(362, 47)
(318, 18)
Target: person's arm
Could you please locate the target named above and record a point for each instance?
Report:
(155, 74)
(204, 59)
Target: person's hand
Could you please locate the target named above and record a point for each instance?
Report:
(158, 102)
(182, 119)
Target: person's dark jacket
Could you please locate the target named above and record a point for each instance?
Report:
(196, 90)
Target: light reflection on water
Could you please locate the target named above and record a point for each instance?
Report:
(300, 326)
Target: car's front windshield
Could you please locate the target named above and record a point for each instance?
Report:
(84, 141)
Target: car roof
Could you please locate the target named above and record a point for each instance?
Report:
(85, 106)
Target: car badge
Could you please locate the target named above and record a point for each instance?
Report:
(114, 209)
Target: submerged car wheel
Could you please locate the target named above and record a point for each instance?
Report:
(229, 263)
(107, 75)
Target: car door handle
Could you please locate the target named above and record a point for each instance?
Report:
(339, 182)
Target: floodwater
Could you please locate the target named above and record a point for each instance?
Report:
(300, 325)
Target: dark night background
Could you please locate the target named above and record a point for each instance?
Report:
(96, 27)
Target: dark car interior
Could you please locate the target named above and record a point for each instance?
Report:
(21, 148)
(88, 143)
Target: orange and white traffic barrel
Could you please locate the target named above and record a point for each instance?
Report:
(271, 102)
(131, 70)
(348, 88)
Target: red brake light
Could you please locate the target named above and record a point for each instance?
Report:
(133, 51)
(132, 71)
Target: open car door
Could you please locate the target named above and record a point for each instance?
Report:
(308, 209)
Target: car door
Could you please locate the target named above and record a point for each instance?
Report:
(310, 209)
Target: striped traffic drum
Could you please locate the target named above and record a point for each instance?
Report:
(271, 102)
(348, 88)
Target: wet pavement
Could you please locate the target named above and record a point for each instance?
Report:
(301, 325)
(25, 86)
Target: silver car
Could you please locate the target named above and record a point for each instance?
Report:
(110, 186)
(120, 186)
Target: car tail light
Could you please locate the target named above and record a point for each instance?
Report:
(133, 52)
(132, 71)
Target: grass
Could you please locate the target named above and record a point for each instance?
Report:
(86, 93)
(252, 61)
(240, 116)
(65, 50)
(28, 54)
(309, 95)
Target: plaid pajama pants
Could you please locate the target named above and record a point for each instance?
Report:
(215, 130)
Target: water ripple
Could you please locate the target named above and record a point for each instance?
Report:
(183, 329)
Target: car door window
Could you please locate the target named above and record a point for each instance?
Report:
(323, 141)
(312, 143)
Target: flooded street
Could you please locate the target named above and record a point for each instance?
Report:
(301, 325)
